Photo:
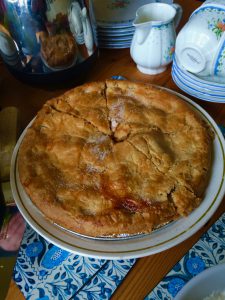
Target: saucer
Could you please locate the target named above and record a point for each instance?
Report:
(193, 84)
(194, 92)
(208, 82)
(114, 37)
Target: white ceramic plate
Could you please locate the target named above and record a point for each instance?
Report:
(206, 82)
(115, 40)
(204, 284)
(115, 32)
(161, 239)
(114, 46)
(200, 88)
(108, 40)
(193, 92)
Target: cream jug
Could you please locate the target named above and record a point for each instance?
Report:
(153, 42)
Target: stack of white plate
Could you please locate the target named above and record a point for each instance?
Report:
(114, 36)
(207, 88)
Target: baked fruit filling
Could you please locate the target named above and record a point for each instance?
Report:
(116, 158)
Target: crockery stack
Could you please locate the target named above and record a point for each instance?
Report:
(113, 21)
(199, 61)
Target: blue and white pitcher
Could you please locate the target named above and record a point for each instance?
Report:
(153, 42)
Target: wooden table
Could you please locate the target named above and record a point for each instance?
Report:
(148, 271)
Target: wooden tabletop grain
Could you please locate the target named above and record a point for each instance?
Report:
(147, 271)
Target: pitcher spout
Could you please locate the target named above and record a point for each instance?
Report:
(142, 34)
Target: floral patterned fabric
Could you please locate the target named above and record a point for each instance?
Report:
(44, 271)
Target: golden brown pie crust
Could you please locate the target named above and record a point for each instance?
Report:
(116, 157)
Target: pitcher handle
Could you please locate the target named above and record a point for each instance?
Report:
(178, 15)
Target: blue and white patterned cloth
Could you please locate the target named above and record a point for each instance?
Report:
(207, 252)
(44, 272)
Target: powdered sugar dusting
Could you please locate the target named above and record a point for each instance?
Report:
(117, 114)
(100, 153)
(92, 169)
(118, 111)
(114, 124)
(97, 139)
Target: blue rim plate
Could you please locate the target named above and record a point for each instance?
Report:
(193, 92)
(115, 32)
(108, 25)
(105, 39)
(198, 80)
(206, 90)
(114, 46)
(193, 83)
(116, 43)
(130, 28)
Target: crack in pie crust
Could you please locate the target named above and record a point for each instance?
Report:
(115, 158)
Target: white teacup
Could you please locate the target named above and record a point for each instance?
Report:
(198, 41)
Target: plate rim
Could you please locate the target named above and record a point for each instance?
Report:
(148, 250)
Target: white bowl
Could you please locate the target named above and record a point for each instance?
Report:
(204, 284)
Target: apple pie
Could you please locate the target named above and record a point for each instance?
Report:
(116, 158)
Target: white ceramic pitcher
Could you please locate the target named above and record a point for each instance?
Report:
(153, 42)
